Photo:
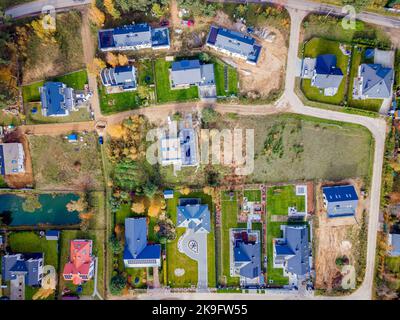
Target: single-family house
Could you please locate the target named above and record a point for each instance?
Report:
(27, 265)
(234, 44)
(246, 256)
(292, 252)
(191, 214)
(138, 253)
(185, 73)
(81, 263)
(52, 235)
(340, 201)
(394, 243)
(123, 77)
(12, 158)
(57, 99)
(327, 75)
(133, 37)
(374, 81)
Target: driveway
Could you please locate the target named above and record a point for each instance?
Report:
(194, 245)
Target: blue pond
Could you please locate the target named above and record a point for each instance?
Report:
(52, 212)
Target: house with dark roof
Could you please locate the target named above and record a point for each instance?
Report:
(374, 81)
(123, 77)
(394, 243)
(327, 75)
(57, 99)
(234, 44)
(28, 265)
(186, 73)
(80, 267)
(12, 158)
(133, 37)
(52, 235)
(340, 201)
(246, 256)
(191, 214)
(138, 253)
(292, 251)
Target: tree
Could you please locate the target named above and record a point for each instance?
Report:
(109, 5)
(138, 207)
(47, 35)
(96, 66)
(129, 5)
(112, 59)
(115, 245)
(157, 11)
(122, 59)
(209, 115)
(203, 56)
(185, 191)
(96, 16)
(166, 229)
(117, 284)
(150, 189)
(80, 205)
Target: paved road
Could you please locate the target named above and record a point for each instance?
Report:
(310, 6)
(35, 7)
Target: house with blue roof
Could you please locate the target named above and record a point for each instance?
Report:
(327, 75)
(292, 251)
(394, 243)
(340, 201)
(133, 37)
(122, 77)
(191, 214)
(168, 194)
(29, 266)
(57, 99)
(374, 81)
(246, 256)
(234, 44)
(138, 253)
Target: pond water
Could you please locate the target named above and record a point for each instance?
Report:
(52, 212)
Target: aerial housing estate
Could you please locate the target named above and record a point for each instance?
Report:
(134, 37)
(234, 44)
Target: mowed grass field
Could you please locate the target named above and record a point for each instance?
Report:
(163, 86)
(312, 148)
(280, 198)
(314, 48)
(177, 260)
(61, 165)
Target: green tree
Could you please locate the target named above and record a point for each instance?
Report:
(150, 189)
(209, 115)
(115, 245)
(117, 284)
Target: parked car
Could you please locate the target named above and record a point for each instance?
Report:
(188, 23)
(101, 140)
(164, 23)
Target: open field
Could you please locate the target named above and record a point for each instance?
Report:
(72, 166)
(367, 104)
(98, 251)
(290, 147)
(280, 198)
(314, 48)
(252, 195)
(76, 80)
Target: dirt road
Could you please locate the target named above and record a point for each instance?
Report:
(57, 128)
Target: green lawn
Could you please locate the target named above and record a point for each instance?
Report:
(76, 80)
(75, 116)
(280, 198)
(393, 264)
(253, 195)
(98, 251)
(122, 213)
(117, 102)
(145, 71)
(31, 242)
(274, 274)
(232, 86)
(314, 48)
(367, 104)
(175, 259)
(138, 277)
(163, 87)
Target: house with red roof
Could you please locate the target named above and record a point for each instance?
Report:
(80, 266)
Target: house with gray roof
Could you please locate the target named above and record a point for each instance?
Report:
(292, 251)
(122, 77)
(340, 201)
(12, 158)
(57, 99)
(133, 37)
(394, 243)
(374, 81)
(191, 214)
(326, 74)
(245, 257)
(234, 44)
(138, 253)
(27, 265)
